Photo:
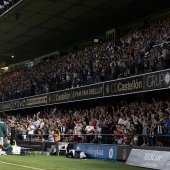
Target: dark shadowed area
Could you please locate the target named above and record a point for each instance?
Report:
(34, 28)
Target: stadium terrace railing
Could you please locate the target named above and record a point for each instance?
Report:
(141, 83)
(117, 139)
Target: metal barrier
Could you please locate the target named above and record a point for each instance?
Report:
(120, 139)
(159, 140)
(35, 141)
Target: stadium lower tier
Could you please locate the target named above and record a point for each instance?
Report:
(97, 151)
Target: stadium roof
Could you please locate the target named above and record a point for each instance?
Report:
(37, 27)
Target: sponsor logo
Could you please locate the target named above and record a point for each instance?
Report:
(158, 80)
(78, 148)
(167, 78)
(84, 92)
(124, 86)
(124, 154)
(153, 157)
(150, 165)
(110, 153)
(95, 152)
(36, 100)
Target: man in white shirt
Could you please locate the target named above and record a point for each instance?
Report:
(90, 131)
(30, 130)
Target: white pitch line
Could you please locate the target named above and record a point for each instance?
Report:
(29, 167)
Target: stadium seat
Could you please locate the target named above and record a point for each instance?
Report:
(63, 147)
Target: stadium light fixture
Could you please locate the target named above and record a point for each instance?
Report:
(4, 68)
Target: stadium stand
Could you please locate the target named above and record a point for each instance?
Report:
(139, 55)
(139, 51)
(135, 123)
(6, 5)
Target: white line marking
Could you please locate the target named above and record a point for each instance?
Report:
(29, 167)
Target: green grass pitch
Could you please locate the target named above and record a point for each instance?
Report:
(42, 162)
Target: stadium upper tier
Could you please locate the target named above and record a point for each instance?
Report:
(5, 5)
(137, 52)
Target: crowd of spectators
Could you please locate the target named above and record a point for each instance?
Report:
(137, 52)
(5, 5)
(135, 123)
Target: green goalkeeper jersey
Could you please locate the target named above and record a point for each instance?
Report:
(3, 130)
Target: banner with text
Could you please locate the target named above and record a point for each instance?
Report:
(59, 97)
(123, 152)
(135, 84)
(81, 93)
(157, 80)
(24, 103)
(96, 151)
(88, 92)
(123, 86)
(5, 106)
(149, 159)
(29, 102)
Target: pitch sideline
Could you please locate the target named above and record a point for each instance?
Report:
(29, 167)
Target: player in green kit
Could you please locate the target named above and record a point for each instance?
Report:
(3, 132)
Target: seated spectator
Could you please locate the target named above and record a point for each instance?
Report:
(7, 148)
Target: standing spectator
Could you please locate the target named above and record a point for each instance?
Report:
(167, 131)
(13, 133)
(75, 131)
(152, 138)
(79, 132)
(30, 130)
(24, 131)
(105, 130)
(98, 131)
(127, 137)
(57, 140)
(118, 135)
(63, 128)
(145, 129)
(159, 122)
(84, 131)
(89, 131)
(133, 132)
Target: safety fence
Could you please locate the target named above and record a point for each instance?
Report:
(158, 80)
(120, 139)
